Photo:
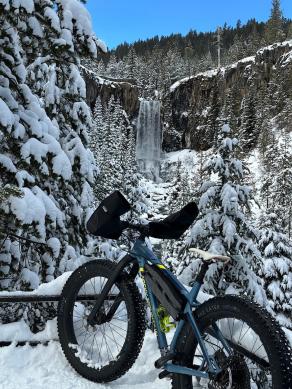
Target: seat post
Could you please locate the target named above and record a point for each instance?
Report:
(198, 281)
(203, 270)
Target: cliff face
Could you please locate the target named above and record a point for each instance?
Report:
(195, 106)
(125, 91)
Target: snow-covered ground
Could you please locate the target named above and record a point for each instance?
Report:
(45, 367)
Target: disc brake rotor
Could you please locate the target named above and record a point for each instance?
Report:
(234, 375)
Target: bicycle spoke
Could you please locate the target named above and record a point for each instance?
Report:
(101, 343)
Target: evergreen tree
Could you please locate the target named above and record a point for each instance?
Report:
(238, 50)
(110, 139)
(230, 109)
(281, 187)
(289, 33)
(131, 68)
(97, 133)
(44, 123)
(112, 67)
(248, 134)
(213, 116)
(274, 30)
(223, 226)
(276, 271)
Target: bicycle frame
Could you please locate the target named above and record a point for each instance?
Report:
(142, 254)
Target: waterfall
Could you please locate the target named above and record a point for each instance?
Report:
(148, 143)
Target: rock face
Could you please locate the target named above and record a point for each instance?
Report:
(195, 106)
(125, 91)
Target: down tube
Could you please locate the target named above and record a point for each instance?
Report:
(161, 338)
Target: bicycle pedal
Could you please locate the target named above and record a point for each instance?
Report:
(159, 363)
(164, 374)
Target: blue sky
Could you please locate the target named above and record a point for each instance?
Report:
(117, 21)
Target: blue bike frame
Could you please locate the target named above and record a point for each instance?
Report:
(143, 254)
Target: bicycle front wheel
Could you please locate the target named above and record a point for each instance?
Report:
(106, 349)
(261, 355)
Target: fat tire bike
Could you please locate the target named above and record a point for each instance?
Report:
(226, 342)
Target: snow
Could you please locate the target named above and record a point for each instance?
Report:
(45, 367)
(74, 10)
(274, 45)
(47, 289)
(29, 209)
(178, 83)
(35, 26)
(247, 60)
(208, 73)
(6, 117)
(182, 155)
(22, 176)
(30, 278)
(20, 332)
(7, 163)
(39, 150)
(53, 17)
(55, 245)
(75, 149)
(101, 44)
(28, 5)
(36, 148)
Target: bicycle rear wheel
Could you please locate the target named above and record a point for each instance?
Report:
(105, 350)
(261, 355)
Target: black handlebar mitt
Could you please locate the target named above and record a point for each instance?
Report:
(105, 220)
(174, 225)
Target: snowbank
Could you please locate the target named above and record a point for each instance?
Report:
(48, 289)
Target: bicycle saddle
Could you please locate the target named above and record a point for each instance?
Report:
(209, 256)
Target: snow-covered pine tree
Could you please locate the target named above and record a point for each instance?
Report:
(111, 174)
(22, 119)
(131, 68)
(276, 270)
(44, 120)
(68, 36)
(223, 226)
(132, 185)
(112, 67)
(180, 194)
(96, 134)
(238, 49)
(281, 187)
(23, 163)
(276, 186)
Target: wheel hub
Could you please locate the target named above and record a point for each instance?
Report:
(234, 375)
(99, 319)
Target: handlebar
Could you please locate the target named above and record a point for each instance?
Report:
(142, 228)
